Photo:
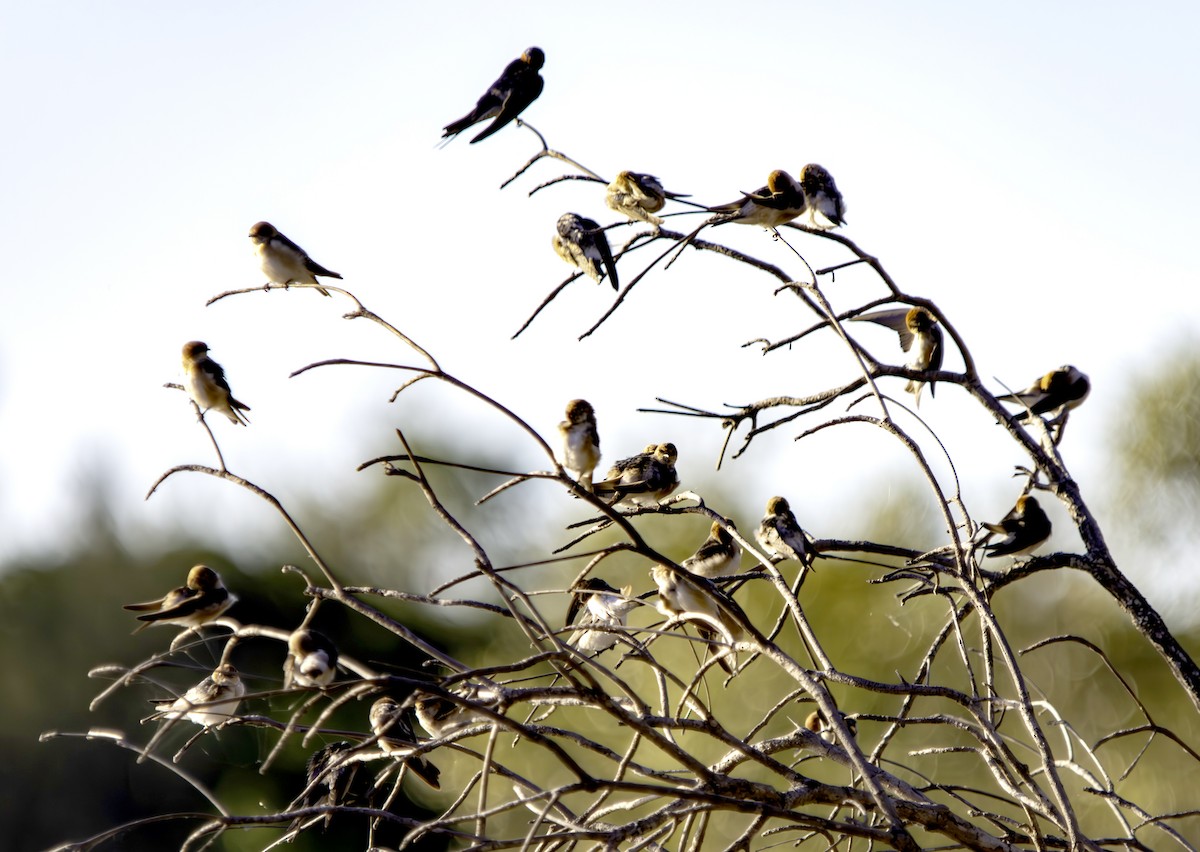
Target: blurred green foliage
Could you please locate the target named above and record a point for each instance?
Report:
(61, 617)
(1155, 447)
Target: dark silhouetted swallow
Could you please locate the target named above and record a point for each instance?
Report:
(638, 196)
(311, 660)
(687, 597)
(826, 209)
(201, 600)
(1024, 529)
(396, 737)
(442, 716)
(206, 383)
(517, 88)
(920, 336)
(598, 612)
(781, 536)
(718, 556)
(644, 479)
(329, 776)
(580, 441)
(285, 263)
(780, 201)
(210, 702)
(581, 243)
(1055, 393)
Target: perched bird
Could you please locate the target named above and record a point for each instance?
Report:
(781, 536)
(285, 263)
(206, 383)
(311, 660)
(920, 336)
(200, 600)
(638, 196)
(644, 479)
(581, 243)
(396, 737)
(581, 441)
(598, 612)
(780, 201)
(1024, 528)
(329, 776)
(819, 725)
(442, 716)
(718, 556)
(826, 209)
(686, 597)
(210, 702)
(517, 88)
(1055, 393)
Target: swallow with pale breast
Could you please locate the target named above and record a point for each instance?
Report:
(311, 661)
(775, 204)
(644, 479)
(200, 600)
(1055, 393)
(920, 336)
(1024, 529)
(442, 716)
(285, 263)
(819, 725)
(826, 209)
(580, 441)
(780, 535)
(396, 737)
(718, 556)
(210, 702)
(205, 381)
(686, 597)
(329, 777)
(581, 243)
(598, 612)
(638, 196)
(517, 88)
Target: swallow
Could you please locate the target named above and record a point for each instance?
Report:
(826, 208)
(442, 716)
(516, 88)
(686, 597)
(311, 661)
(580, 441)
(210, 702)
(1024, 529)
(396, 737)
(781, 536)
(329, 776)
(644, 479)
(285, 263)
(206, 383)
(200, 600)
(819, 725)
(638, 196)
(780, 201)
(718, 556)
(1055, 393)
(920, 336)
(598, 611)
(581, 243)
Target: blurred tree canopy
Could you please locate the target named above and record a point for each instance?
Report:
(65, 616)
(1155, 448)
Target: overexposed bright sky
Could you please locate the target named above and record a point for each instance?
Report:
(1029, 166)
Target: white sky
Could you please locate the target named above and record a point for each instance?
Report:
(1029, 166)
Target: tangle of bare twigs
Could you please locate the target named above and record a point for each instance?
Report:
(643, 743)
